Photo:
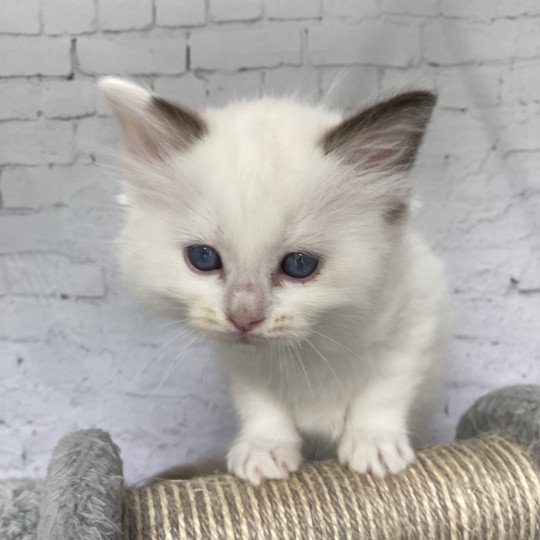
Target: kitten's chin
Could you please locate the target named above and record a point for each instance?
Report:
(255, 339)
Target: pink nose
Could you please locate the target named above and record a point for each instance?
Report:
(244, 323)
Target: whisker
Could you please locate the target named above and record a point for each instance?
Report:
(175, 336)
(343, 346)
(171, 368)
(301, 362)
(326, 362)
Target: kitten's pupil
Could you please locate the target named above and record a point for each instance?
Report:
(204, 258)
(299, 265)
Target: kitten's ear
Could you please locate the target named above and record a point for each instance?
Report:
(151, 127)
(385, 137)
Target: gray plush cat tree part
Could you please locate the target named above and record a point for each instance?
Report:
(83, 494)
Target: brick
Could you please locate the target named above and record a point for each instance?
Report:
(370, 42)
(446, 41)
(477, 272)
(521, 168)
(456, 142)
(521, 132)
(396, 80)
(68, 17)
(468, 87)
(521, 366)
(42, 274)
(82, 235)
(20, 17)
(528, 280)
(524, 167)
(460, 86)
(180, 13)
(133, 55)
(521, 83)
(68, 99)
(20, 100)
(516, 8)
(32, 143)
(34, 56)
(428, 8)
(300, 9)
(297, 82)
(98, 136)
(481, 9)
(44, 187)
(188, 89)
(228, 49)
(124, 14)
(226, 87)
(351, 88)
(498, 225)
(350, 9)
(511, 319)
(235, 10)
(40, 318)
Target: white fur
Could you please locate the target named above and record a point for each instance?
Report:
(350, 356)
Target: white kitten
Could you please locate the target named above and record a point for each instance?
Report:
(281, 231)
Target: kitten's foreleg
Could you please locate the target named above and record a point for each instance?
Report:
(268, 445)
(375, 437)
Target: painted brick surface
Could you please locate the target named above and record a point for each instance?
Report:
(68, 17)
(124, 14)
(301, 9)
(34, 56)
(185, 13)
(370, 42)
(20, 100)
(235, 10)
(131, 54)
(78, 351)
(225, 48)
(20, 17)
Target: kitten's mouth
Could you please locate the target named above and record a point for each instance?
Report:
(246, 338)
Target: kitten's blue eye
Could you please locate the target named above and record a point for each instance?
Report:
(204, 258)
(299, 265)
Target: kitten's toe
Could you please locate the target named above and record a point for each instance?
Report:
(377, 453)
(259, 460)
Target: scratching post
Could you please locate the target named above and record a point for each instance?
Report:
(483, 487)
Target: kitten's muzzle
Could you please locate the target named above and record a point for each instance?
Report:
(245, 306)
(243, 322)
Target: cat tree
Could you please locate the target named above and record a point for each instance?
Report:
(484, 485)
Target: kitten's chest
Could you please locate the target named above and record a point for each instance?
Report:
(320, 407)
(320, 417)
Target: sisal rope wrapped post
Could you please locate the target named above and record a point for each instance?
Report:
(484, 487)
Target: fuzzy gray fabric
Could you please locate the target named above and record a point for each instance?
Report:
(83, 490)
(514, 410)
(19, 508)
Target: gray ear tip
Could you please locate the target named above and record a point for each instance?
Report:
(420, 98)
(430, 98)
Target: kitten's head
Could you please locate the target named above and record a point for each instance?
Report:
(259, 220)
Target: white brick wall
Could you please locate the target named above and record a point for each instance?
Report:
(68, 17)
(231, 48)
(77, 351)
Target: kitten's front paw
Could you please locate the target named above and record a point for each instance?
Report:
(257, 460)
(378, 452)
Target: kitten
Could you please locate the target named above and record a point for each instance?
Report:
(282, 232)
